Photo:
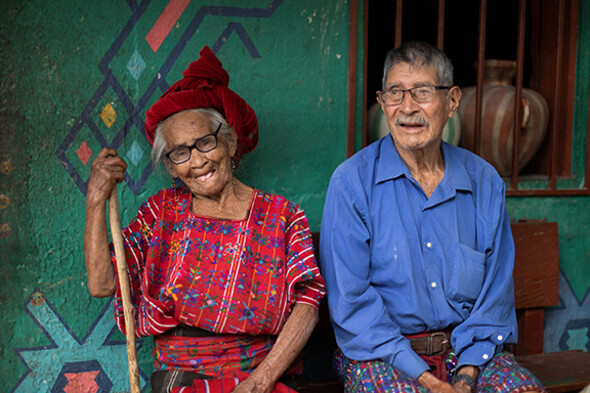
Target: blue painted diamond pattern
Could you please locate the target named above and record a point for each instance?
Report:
(136, 65)
(135, 153)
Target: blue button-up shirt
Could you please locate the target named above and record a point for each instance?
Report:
(396, 262)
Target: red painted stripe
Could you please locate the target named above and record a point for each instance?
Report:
(165, 23)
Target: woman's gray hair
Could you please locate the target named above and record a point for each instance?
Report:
(421, 54)
(226, 131)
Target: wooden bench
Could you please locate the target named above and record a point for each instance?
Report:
(536, 277)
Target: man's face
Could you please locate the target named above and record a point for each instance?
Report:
(416, 125)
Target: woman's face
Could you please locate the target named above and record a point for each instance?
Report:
(206, 174)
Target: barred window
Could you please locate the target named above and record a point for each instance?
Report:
(516, 64)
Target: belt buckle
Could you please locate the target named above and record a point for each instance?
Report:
(431, 340)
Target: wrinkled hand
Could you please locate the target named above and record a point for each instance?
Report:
(435, 385)
(462, 387)
(107, 170)
(444, 387)
(257, 382)
(251, 386)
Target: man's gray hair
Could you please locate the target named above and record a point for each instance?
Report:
(226, 131)
(420, 54)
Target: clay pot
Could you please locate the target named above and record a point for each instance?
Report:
(377, 126)
(496, 138)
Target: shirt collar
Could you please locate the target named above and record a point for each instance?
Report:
(391, 166)
(456, 176)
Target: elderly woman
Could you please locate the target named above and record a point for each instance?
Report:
(222, 275)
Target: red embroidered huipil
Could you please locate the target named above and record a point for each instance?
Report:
(238, 278)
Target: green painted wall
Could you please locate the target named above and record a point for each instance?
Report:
(288, 59)
(53, 69)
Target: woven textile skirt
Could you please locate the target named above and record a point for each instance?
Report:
(502, 374)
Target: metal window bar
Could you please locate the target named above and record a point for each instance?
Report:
(518, 94)
(558, 65)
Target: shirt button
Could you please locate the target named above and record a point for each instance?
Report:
(433, 284)
(485, 356)
(429, 245)
(500, 338)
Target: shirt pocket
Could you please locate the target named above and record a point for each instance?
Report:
(467, 275)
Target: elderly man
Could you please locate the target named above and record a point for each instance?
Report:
(416, 249)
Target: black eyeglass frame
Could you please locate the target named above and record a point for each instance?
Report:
(194, 146)
(404, 91)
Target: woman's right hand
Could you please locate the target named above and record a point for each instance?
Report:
(107, 170)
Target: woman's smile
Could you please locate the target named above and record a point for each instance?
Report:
(205, 177)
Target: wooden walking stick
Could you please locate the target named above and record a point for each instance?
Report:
(125, 291)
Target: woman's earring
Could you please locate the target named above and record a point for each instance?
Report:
(233, 166)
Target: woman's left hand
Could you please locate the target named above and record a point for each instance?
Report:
(289, 344)
(255, 383)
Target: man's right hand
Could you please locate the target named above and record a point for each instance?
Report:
(434, 384)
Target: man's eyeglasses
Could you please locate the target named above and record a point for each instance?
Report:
(420, 94)
(203, 144)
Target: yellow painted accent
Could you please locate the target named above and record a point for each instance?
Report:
(108, 115)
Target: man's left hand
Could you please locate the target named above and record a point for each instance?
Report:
(461, 386)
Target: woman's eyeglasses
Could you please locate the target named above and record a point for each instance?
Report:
(203, 144)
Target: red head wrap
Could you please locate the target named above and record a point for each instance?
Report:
(204, 85)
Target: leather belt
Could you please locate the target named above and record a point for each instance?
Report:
(188, 331)
(436, 343)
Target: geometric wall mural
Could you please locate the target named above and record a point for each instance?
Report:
(114, 115)
(78, 76)
(569, 322)
(69, 364)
